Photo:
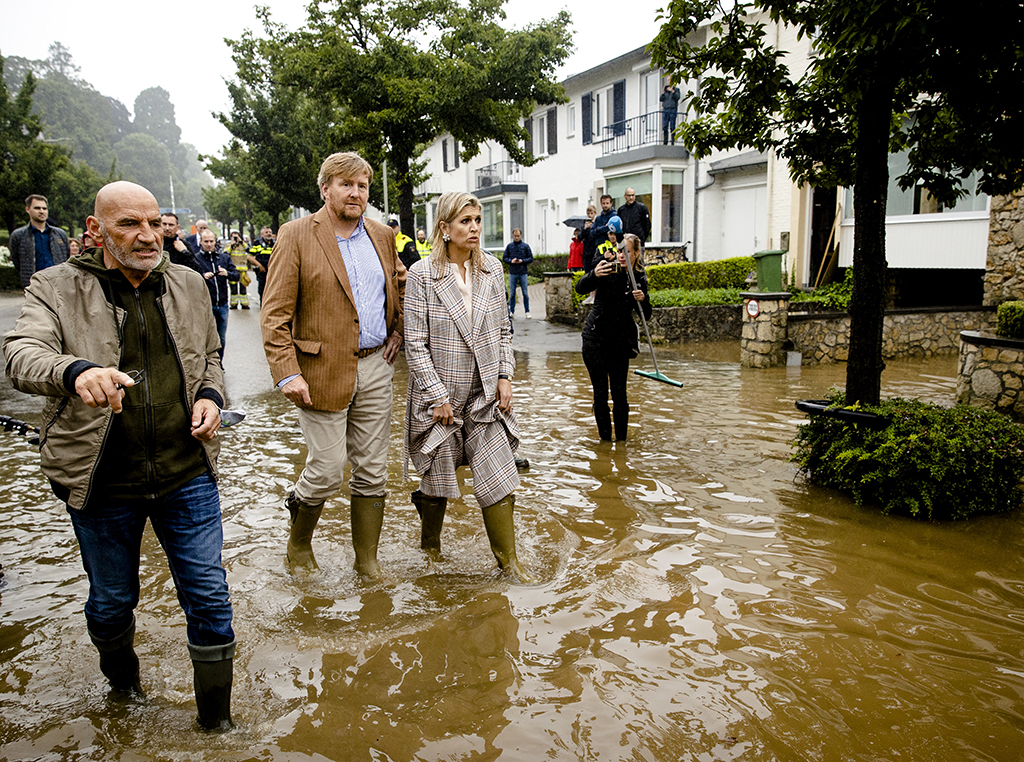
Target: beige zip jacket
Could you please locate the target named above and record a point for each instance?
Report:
(67, 318)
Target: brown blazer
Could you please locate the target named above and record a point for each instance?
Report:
(308, 314)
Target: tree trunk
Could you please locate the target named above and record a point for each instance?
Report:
(867, 303)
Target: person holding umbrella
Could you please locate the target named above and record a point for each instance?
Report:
(610, 338)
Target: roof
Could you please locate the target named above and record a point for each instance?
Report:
(748, 160)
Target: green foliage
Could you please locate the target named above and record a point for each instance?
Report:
(721, 273)
(393, 75)
(9, 280)
(835, 296)
(577, 298)
(1010, 320)
(544, 263)
(930, 462)
(701, 297)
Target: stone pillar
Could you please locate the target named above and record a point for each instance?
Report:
(558, 301)
(1004, 267)
(765, 328)
(991, 373)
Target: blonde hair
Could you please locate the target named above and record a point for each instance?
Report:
(449, 206)
(349, 165)
(633, 242)
(591, 208)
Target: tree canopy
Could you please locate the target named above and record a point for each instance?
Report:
(927, 76)
(388, 76)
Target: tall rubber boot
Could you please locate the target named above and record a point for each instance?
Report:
(212, 675)
(621, 415)
(502, 537)
(367, 519)
(603, 417)
(304, 517)
(431, 511)
(118, 661)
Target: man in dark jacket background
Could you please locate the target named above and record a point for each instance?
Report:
(218, 269)
(598, 232)
(518, 257)
(37, 245)
(635, 217)
(177, 250)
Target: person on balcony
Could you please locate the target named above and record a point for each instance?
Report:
(669, 112)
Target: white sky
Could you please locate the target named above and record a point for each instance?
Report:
(123, 46)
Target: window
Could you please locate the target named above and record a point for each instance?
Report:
(640, 182)
(610, 110)
(494, 228)
(515, 213)
(540, 137)
(917, 200)
(570, 120)
(672, 205)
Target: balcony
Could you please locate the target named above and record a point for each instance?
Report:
(636, 139)
(498, 178)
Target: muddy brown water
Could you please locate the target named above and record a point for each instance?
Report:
(697, 599)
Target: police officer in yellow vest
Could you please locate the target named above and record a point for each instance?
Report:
(406, 248)
(423, 246)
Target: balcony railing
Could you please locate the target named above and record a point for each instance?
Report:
(644, 130)
(496, 174)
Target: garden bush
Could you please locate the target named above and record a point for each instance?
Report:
(835, 296)
(9, 278)
(1010, 320)
(720, 273)
(929, 462)
(701, 297)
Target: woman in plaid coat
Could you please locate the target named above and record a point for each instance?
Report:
(458, 344)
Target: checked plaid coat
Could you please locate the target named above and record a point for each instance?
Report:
(452, 359)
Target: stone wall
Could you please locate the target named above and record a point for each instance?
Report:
(1004, 268)
(991, 373)
(763, 339)
(558, 298)
(905, 333)
(689, 324)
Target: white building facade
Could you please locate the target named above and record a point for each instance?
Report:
(608, 137)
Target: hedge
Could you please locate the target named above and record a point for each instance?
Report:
(1010, 320)
(721, 273)
(9, 278)
(930, 462)
(701, 297)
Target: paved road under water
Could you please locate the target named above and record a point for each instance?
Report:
(698, 600)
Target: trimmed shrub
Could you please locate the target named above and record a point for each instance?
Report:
(702, 297)
(8, 278)
(721, 273)
(1010, 320)
(930, 462)
(834, 296)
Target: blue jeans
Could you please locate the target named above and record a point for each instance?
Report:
(220, 317)
(187, 523)
(513, 281)
(668, 125)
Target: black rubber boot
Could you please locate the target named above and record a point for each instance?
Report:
(304, 517)
(213, 673)
(431, 511)
(367, 519)
(603, 417)
(621, 415)
(118, 661)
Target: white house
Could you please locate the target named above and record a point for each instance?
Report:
(608, 137)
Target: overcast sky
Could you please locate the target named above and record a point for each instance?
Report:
(123, 46)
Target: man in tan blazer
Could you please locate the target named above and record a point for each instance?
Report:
(332, 327)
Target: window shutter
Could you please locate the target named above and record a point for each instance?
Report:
(444, 154)
(455, 153)
(528, 126)
(619, 107)
(587, 118)
(552, 131)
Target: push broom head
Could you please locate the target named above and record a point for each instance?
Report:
(659, 377)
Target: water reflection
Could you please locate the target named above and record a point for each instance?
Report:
(698, 600)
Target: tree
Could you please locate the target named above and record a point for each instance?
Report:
(395, 74)
(884, 75)
(144, 160)
(154, 116)
(27, 164)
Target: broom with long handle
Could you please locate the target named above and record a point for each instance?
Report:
(657, 375)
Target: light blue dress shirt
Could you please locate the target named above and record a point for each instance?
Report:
(366, 276)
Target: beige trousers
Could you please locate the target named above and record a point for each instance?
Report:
(358, 435)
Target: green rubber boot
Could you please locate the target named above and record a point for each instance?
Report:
(502, 537)
(304, 517)
(118, 661)
(367, 519)
(212, 675)
(431, 511)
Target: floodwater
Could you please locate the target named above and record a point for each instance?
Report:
(697, 599)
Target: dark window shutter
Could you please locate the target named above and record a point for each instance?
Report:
(455, 153)
(587, 118)
(528, 126)
(444, 154)
(552, 131)
(619, 107)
